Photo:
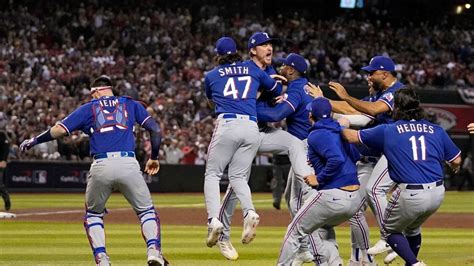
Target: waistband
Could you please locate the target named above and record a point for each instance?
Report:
(423, 186)
(237, 116)
(114, 154)
(369, 159)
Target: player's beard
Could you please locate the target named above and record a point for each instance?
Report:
(377, 85)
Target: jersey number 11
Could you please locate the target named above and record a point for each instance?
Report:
(414, 147)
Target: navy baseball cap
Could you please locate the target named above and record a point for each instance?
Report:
(320, 108)
(259, 38)
(226, 45)
(297, 62)
(380, 63)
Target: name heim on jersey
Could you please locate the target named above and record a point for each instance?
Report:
(233, 70)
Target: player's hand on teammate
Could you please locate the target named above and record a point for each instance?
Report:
(28, 144)
(279, 77)
(280, 99)
(344, 122)
(339, 90)
(470, 128)
(313, 90)
(152, 167)
(311, 180)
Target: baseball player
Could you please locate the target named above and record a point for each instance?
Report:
(382, 76)
(4, 150)
(337, 197)
(271, 140)
(232, 87)
(415, 150)
(109, 122)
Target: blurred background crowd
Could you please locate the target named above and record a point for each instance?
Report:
(158, 53)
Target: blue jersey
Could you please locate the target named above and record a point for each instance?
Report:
(414, 149)
(233, 87)
(332, 158)
(108, 121)
(293, 108)
(387, 96)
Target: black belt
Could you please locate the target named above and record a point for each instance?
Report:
(420, 186)
(104, 155)
(228, 116)
(369, 159)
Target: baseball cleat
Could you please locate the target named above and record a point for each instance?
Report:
(391, 256)
(420, 263)
(302, 257)
(251, 221)
(102, 259)
(379, 247)
(155, 258)
(227, 250)
(214, 230)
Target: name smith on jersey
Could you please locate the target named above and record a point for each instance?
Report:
(233, 70)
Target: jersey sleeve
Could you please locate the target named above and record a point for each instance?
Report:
(141, 115)
(388, 99)
(451, 151)
(293, 100)
(207, 87)
(77, 120)
(269, 84)
(373, 137)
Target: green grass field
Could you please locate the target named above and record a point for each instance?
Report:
(56, 243)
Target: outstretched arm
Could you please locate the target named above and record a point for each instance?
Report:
(370, 108)
(153, 165)
(55, 132)
(351, 135)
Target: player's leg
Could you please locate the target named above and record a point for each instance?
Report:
(131, 184)
(277, 185)
(360, 237)
(220, 151)
(433, 199)
(402, 211)
(4, 191)
(98, 190)
(378, 186)
(228, 205)
(239, 171)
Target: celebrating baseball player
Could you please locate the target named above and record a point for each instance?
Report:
(415, 150)
(337, 197)
(109, 122)
(232, 87)
(271, 140)
(382, 78)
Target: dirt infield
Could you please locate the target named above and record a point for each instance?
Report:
(197, 216)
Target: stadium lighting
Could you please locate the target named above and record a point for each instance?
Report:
(467, 6)
(458, 10)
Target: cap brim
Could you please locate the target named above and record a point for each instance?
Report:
(368, 69)
(308, 107)
(271, 40)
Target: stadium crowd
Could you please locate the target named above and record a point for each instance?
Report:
(48, 56)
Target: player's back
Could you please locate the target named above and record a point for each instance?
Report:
(298, 122)
(415, 151)
(233, 87)
(109, 122)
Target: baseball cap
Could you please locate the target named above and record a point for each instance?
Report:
(297, 62)
(320, 108)
(259, 38)
(226, 45)
(380, 62)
